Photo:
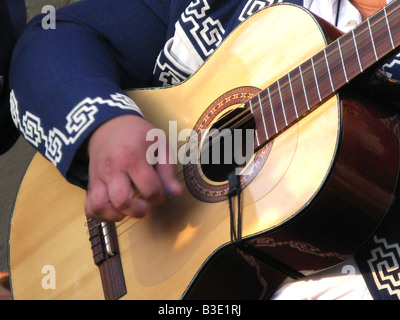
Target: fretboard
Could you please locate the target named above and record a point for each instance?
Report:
(293, 96)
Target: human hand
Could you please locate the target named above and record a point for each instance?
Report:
(119, 170)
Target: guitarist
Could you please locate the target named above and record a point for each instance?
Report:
(99, 47)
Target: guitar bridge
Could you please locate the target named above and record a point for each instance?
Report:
(104, 244)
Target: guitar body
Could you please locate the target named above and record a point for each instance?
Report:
(318, 191)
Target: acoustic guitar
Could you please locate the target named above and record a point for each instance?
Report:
(322, 176)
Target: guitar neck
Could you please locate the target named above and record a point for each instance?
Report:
(293, 96)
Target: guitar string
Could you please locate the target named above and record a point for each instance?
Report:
(119, 224)
(128, 218)
(274, 92)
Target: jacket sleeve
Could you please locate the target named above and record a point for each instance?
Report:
(67, 81)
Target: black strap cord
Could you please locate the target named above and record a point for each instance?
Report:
(236, 230)
(337, 13)
(1, 83)
(235, 190)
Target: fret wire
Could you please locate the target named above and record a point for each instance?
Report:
(283, 107)
(341, 58)
(372, 40)
(316, 80)
(329, 71)
(272, 109)
(294, 100)
(355, 45)
(252, 111)
(388, 27)
(262, 115)
(395, 12)
(304, 88)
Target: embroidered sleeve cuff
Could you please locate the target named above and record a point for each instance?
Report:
(59, 145)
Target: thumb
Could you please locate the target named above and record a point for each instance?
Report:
(166, 170)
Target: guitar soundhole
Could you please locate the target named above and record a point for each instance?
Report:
(228, 145)
(208, 181)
